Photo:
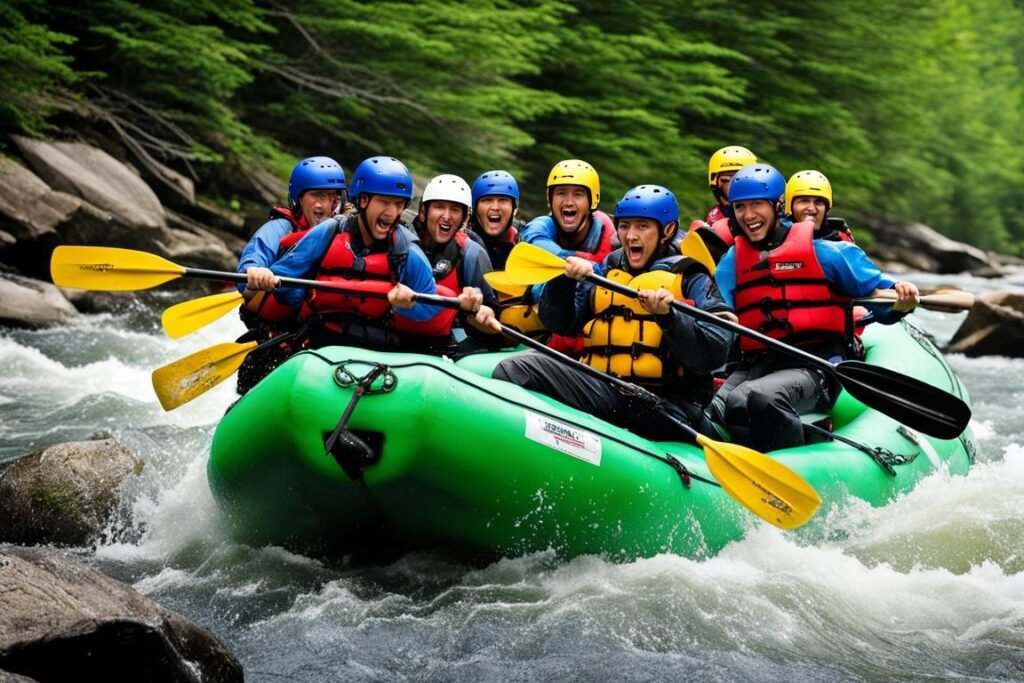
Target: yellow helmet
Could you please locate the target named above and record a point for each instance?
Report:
(808, 184)
(576, 172)
(728, 159)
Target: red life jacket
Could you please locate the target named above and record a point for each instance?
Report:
(263, 304)
(715, 214)
(377, 273)
(448, 264)
(784, 294)
(606, 244)
(573, 346)
(299, 222)
(723, 231)
(717, 237)
(836, 229)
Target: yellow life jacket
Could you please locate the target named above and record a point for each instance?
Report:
(522, 316)
(625, 340)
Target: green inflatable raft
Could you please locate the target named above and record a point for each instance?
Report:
(454, 459)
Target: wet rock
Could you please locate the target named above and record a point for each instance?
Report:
(25, 302)
(918, 247)
(995, 326)
(64, 621)
(35, 218)
(65, 493)
(82, 195)
(92, 174)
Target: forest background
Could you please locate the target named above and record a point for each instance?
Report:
(913, 108)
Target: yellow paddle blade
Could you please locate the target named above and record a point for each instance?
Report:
(179, 382)
(499, 280)
(109, 269)
(530, 265)
(764, 486)
(189, 316)
(693, 247)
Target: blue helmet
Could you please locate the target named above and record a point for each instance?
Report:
(315, 173)
(496, 183)
(649, 201)
(757, 181)
(382, 175)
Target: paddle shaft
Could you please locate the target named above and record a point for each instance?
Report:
(225, 276)
(946, 303)
(913, 402)
(713, 319)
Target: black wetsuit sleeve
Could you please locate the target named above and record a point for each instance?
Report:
(700, 346)
(564, 305)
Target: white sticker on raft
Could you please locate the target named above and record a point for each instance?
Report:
(574, 441)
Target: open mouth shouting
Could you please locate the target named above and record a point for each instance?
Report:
(494, 222)
(636, 254)
(757, 229)
(445, 230)
(570, 218)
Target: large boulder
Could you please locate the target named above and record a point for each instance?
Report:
(83, 195)
(35, 218)
(95, 176)
(994, 327)
(25, 302)
(63, 621)
(64, 494)
(918, 247)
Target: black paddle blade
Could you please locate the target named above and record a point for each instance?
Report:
(915, 403)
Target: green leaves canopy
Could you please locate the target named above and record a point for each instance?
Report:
(911, 107)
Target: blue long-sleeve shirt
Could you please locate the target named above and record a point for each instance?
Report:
(845, 265)
(262, 249)
(543, 232)
(304, 258)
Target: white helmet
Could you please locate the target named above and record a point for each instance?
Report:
(449, 188)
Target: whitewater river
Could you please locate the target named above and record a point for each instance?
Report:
(930, 587)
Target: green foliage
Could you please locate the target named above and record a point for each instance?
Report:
(32, 62)
(913, 108)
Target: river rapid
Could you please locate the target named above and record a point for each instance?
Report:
(929, 587)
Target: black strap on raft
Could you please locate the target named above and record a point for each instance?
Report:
(351, 452)
(883, 456)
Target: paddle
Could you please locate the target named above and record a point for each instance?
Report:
(111, 269)
(187, 378)
(764, 486)
(908, 400)
(693, 247)
(189, 316)
(181, 381)
(943, 300)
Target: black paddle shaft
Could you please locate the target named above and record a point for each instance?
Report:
(225, 276)
(908, 400)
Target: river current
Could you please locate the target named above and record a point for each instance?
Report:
(930, 587)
